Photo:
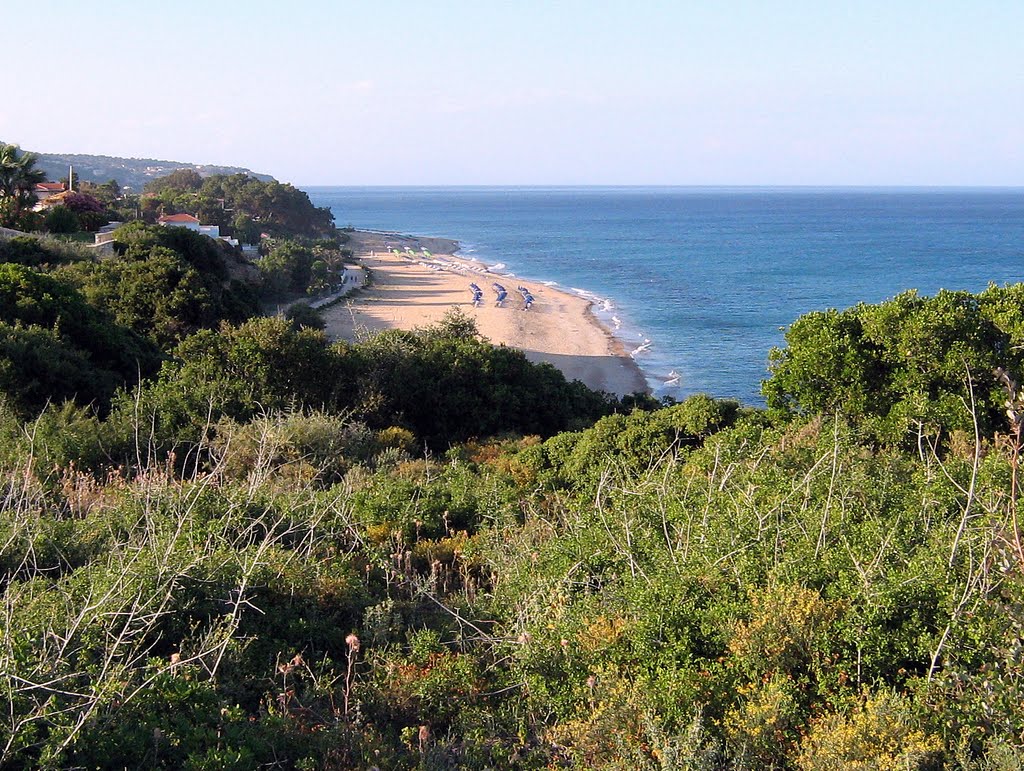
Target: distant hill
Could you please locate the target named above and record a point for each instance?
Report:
(133, 173)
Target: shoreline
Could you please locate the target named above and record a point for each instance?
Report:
(427, 277)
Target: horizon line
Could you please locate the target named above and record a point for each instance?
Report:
(669, 186)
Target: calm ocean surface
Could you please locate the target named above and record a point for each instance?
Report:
(710, 276)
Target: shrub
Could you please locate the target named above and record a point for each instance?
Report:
(880, 733)
(61, 219)
(912, 360)
(303, 315)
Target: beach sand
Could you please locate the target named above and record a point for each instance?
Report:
(408, 292)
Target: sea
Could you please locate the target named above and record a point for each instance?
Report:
(699, 283)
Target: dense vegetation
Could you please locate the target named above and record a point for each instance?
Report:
(297, 250)
(245, 206)
(226, 542)
(300, 250)
(904, 364)
(240, 203)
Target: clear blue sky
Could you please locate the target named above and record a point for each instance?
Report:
(530, 92)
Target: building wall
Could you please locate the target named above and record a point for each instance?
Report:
(190, 225)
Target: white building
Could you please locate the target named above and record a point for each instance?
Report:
(180, 221)
(190, 222)
(46, 189)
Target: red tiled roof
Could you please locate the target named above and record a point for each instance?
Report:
(57, 198)
(178, 218)
(50, 187)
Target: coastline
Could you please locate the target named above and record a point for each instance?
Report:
(427, 278)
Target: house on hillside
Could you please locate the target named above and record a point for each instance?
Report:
(192, 223)
(53, 199)
(46, 189)
(49, 194)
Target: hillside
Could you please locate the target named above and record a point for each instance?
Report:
(228, 542)
(133, 173)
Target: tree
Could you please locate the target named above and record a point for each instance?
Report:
(18, 175)
(446, 384)
(60, 219)
(38, 366)
(288, 268)
(135, 241)
(169, 283)
(278, 209)
(180, 179)
(54, 345)
(906, 362)
(305, 315)
(160, 296)
(14, 215)
(245, 230)
(82, 202)
(262, 364)
(90, 210)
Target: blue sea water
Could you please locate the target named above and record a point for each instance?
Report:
(712, 276)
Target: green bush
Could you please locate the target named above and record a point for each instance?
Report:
(304, 315)
(55, 346)
(61, 219)
(906, 362)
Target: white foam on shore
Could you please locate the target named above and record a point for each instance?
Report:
(602, 308)
(644, 347)
(605, 311)
(671, 384)
(606, 304)
(662, 380)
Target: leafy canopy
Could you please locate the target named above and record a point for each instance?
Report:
(906, 362)
(56, 346)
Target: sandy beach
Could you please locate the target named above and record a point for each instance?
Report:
(416, 288)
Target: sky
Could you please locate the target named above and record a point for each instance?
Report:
(525, 92)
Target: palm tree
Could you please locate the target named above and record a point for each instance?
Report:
(18, 175)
